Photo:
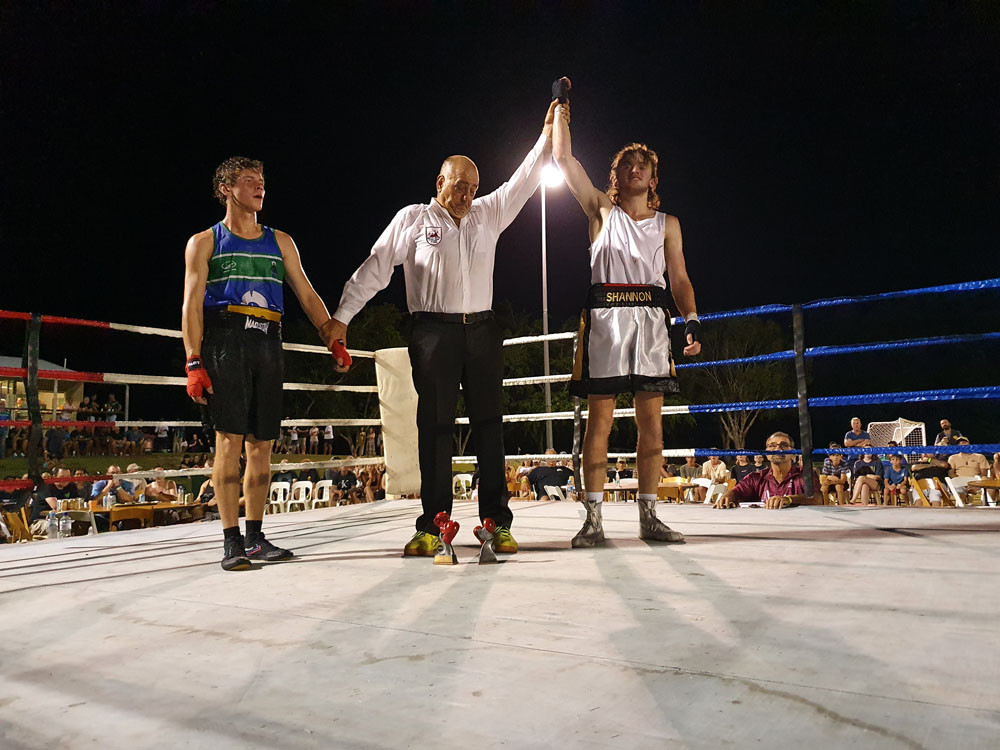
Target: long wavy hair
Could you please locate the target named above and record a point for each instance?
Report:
(648, 156)
(227, 172)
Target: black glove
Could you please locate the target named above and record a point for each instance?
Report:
(560, 90)
(691, 329)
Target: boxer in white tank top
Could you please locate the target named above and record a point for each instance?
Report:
(624, 343)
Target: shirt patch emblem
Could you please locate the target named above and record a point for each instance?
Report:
(432, 235)
(260, 325)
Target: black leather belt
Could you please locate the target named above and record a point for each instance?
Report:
(464, 318)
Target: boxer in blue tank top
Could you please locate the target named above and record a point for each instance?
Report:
(231, 321)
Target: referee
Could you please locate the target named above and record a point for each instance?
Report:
(447, 248)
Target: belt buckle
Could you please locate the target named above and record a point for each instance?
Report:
(465, 318)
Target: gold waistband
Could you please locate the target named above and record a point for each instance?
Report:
(257, 312)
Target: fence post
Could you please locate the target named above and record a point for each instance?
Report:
(29, 361)
(805, 425)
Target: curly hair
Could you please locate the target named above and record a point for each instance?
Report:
(227, 172)
(648, 156)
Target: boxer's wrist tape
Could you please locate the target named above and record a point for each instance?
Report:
(193, 363)
(691, 316)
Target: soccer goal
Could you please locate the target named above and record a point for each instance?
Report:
(903, 431)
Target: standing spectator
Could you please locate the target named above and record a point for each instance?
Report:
(741, 468)
(112, 409)
(857, 438)
(834, 477)
(897, 481)
(760, 462)
(293, 440)
(379, 443)
(359, 442)
(868, 472)
(314, 440)
(370, 442)
(328, 440)
(162, 433)
(4, 429)
(947, 436)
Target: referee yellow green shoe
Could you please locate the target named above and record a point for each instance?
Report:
(504, 541)
(421, 545)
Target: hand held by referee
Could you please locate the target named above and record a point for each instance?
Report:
(198, 382)
(333, 334)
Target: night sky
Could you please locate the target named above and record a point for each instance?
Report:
(809, 152)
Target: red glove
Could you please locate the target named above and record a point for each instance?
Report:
(198, 380)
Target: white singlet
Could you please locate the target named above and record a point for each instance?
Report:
(624, 340)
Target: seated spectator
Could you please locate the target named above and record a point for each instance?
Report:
(947, 436)
(760, 462)
(781, 485)
(740, 468)
(345, 486)
(690, 470)
(114, 490)
(887, 458)
(307, 473)
(83, 487)
(55, 438)
(856, 437)
(968, 464)
(931, 466)
(867, 473)
(40, 502)
(833, 479)
(713, 471)
(162, 489)
(285, 473)
(547, 475)
(619, 472)
(897, 481)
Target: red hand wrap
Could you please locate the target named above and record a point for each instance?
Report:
(339, 351)
(198, 380)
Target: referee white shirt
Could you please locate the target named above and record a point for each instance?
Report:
(448, 267)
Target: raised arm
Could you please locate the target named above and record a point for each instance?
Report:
(589, 197)
(505, 203)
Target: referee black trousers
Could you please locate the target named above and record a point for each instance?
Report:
(443, 355)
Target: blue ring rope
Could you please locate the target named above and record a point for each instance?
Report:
(965, 286)
(900, 397)
(875, 450)
(826, 351)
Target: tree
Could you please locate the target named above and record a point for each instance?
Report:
(733, 339)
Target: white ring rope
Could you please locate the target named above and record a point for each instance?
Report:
(127, 379)
(284, 423)
(533, 339)
(290, 466)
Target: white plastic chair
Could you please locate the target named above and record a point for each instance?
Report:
(322, 492)
(959, 491)
(554, 492)
(277, 496)
(461, 486)
(301, 494)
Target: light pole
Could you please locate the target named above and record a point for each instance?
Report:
(551, 177)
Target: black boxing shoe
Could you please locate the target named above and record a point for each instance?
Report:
(264, 551)
(234, 556)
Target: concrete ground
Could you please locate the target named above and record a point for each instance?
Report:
(806, 627)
